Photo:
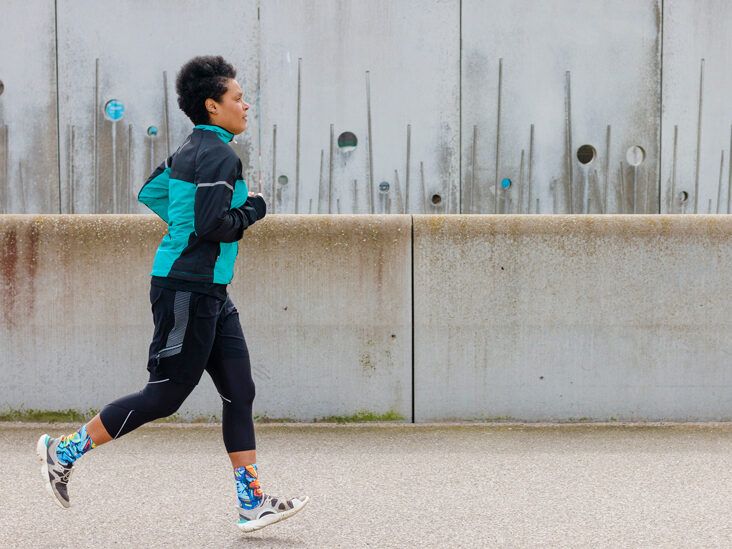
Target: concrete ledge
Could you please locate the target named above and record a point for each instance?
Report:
(325, 303)
(572, 317)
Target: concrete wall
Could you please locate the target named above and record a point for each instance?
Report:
(525, 317)
(608, 74)
(558, 317)
(325, 305)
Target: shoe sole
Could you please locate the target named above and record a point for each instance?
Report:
(42, 451)
(258, 524)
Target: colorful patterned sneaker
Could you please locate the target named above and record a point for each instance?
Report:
(55, 474)
(268, 512)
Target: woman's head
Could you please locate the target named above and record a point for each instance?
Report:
(209, 94)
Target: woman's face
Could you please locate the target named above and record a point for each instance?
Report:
(231, 112)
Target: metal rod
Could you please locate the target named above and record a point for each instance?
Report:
(635, 187)
(6, 169)
(424, 188)
(622, 189)
(607, 169)
(114, 167)
(729, 183)
(709, 207)
(568, 123)
(166, 112)
(521, 184)
(72, 175)
(530, 167)
(297, 144)
(719, 186)
(698, 137)
(406, 179)
(310, 206)
(330, 170)
(95, 194)
(274, 168)
(338, 205)
(471, 203)
(370, 138)
(129, 168)
(321, 191)
(498, 133)
(398, 192)
(672, 204)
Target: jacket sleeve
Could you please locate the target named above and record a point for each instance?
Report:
(154, 192)
(215, 176)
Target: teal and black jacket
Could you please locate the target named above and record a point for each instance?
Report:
(199, 192)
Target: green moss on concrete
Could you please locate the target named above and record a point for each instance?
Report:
(48, 416)
(362, 416)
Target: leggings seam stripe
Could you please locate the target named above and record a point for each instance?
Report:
(123, 424)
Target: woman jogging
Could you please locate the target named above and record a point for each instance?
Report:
(199, 192)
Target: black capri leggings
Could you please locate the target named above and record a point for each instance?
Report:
(193, 332)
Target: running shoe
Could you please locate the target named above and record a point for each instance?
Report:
(268, 512)
(55, 473)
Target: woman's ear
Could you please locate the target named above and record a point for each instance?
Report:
(211, 106)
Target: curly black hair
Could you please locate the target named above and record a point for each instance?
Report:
(202, 77)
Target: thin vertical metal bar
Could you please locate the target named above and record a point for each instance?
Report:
(719, 186)
(672, 201)
(95, 194)
(114, 167)
(330, 170)
(424, 188)
(166, 112)
(310, 206)
(406, 179)
(607, 169)
(129, 168)
(398, 192)
(471, 203)
(568, 129)
(530, 168)
(729, 168)
(274, 168)
(320, 180)
(635, 187)
(338, 205)
(698, 137)
(370, 138)
(6, 169)
(297, 144)
(72, 175)
(521, 185)
(622, 189)
(498, 133)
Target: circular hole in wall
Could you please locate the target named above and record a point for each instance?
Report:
(635, 155)
(436, 199)
(683, 196)
(384, 187)
(282, 180)
(152, 131)
(347, 142)
(505, 183)
(2, 87)
(114, 110)
(586, 154)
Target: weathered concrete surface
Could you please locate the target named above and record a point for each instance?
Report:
(135, 43)
(324, 302)
(28, 114)
(409, 486)
(612, 50)
(546, 317)
(411, 50)
(690, 35)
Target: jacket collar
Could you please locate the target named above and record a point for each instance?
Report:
(225, 135)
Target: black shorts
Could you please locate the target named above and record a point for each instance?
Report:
(188, 325)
